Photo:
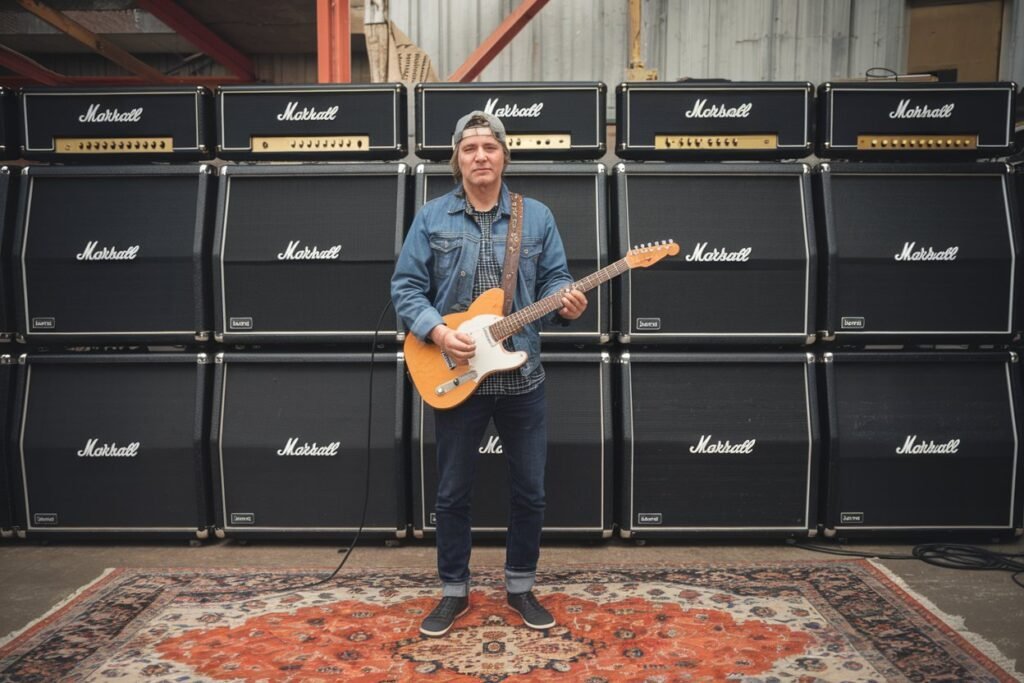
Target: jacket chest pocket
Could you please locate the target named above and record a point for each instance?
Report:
(529, 257)
(445, 251)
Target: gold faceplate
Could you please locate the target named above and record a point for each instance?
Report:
(916, 142)
(539, 141)
(113, 145)
(311, 143)
(716, 142)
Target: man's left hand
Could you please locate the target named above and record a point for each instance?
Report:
(574, 302)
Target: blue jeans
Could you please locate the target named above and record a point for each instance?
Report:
(521, 422)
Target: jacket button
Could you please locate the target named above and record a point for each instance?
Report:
(462, 274)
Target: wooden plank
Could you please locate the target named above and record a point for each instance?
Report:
(122, 58)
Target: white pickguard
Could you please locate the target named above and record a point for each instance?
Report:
(490, 356)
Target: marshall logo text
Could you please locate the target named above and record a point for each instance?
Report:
(700, 110)
(513, 111)
(90, 253)
(293, 113)
(705, 446)
(94, 115)
(910, 253)
(702, 255)
(293, 448)
(108, 450)
(911, 447)
(922, 111)
(493, 446)
(293, 253)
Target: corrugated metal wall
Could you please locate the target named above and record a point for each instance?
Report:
(805, 40)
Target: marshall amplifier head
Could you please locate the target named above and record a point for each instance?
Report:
(922, 442)
(580, 463)
(908, 121)
(306, 252)
(112, 445)
(747, 268)
(718, 444)
(576, 195)
(289, 440)
(6, 467)
(9, 134)
(113, 253)
(695, 121)
(919, 252)
(311, 122)
(542, 120)
(117, 124)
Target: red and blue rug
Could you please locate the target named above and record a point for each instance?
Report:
(793, 621)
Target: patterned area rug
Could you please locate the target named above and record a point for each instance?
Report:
(797, 621)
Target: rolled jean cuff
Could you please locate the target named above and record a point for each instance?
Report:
(455, 590)
(518, 581)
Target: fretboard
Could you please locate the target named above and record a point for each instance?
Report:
(514, 322)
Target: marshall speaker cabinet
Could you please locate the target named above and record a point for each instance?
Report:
(920, 252)
(113, 253)
(313, 122)
(915, 120)
(117, 124)
(6, 480)
(112, 445)
(8, 124)
(718, 444)
(922, 442)
(289, 444)
(746, 272)
(578, 478)
(8, 205)
(306, 252)
(542, 120)
(576, 195)
(694, 121)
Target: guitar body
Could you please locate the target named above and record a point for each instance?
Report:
(441, 382)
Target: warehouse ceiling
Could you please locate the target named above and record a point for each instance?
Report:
(252, 26)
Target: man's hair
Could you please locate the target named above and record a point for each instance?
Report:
(476, 121)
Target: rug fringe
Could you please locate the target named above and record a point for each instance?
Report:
(954, 622)
(78, 591)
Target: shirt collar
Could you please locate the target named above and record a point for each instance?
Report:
(457, 201)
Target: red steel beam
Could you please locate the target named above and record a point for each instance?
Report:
(497, 41)
(208, 42)
(333, 41)
(28, 69)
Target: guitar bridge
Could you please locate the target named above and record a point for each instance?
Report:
(448, 361)
(450, 385)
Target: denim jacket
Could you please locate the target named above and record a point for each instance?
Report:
(435, 271)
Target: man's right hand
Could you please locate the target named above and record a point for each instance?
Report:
(457, 345)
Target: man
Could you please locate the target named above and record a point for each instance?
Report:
(455, 250)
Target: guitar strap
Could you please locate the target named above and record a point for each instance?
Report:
(511, 270)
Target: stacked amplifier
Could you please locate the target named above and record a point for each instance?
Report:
(922, 252)
(555, 133)
(144, 288)
(718, 393)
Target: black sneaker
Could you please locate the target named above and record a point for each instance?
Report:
(533, 614)
(444, 615)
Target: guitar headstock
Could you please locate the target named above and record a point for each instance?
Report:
(644, 255)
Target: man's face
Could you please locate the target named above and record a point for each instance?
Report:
(481, 159)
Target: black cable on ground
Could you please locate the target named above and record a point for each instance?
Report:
(947, 555)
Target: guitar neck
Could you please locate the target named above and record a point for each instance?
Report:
(516, 321)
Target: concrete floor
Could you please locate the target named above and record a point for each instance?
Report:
(33, 577)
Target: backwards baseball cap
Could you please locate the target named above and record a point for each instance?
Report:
(494, 127)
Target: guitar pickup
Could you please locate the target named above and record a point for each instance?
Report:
(448, 361)
(443, 389)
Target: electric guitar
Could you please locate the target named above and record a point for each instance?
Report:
(443, 383)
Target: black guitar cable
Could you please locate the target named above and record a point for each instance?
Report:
(366, 488)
